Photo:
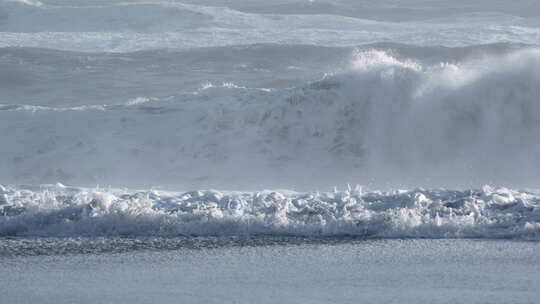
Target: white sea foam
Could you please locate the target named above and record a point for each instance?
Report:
(65, 211)
(28, 2)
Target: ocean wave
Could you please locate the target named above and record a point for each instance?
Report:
(383, 10)
(65, 211)
(128, 27)
(34, 16)
(383, 120)
(54, 78)
(273, 53)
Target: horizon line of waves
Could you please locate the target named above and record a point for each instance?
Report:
(174, 8)
(143, 26)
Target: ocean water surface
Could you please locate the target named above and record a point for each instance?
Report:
(295, 151)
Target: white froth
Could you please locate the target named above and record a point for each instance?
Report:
(66, 211)
(188, 99)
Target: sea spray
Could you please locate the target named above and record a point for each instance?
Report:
(383, 120)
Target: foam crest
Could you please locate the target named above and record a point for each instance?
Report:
(371, 59)
(29, 2)
(64, 211)
(477, 118)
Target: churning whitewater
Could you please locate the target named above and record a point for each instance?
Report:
(63, 211)
(248, 95)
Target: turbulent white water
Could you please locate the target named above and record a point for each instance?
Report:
(61, 211)
(245, 95)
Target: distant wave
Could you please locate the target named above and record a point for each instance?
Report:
(277, 54)
(123, 27)
(34, 16)
(63, 211)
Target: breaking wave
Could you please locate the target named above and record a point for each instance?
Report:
(457, 124)
(63, 211)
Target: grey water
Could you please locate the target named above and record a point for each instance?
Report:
(278, 270)
(119, 117)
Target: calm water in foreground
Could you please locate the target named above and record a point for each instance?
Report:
(268, 270)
